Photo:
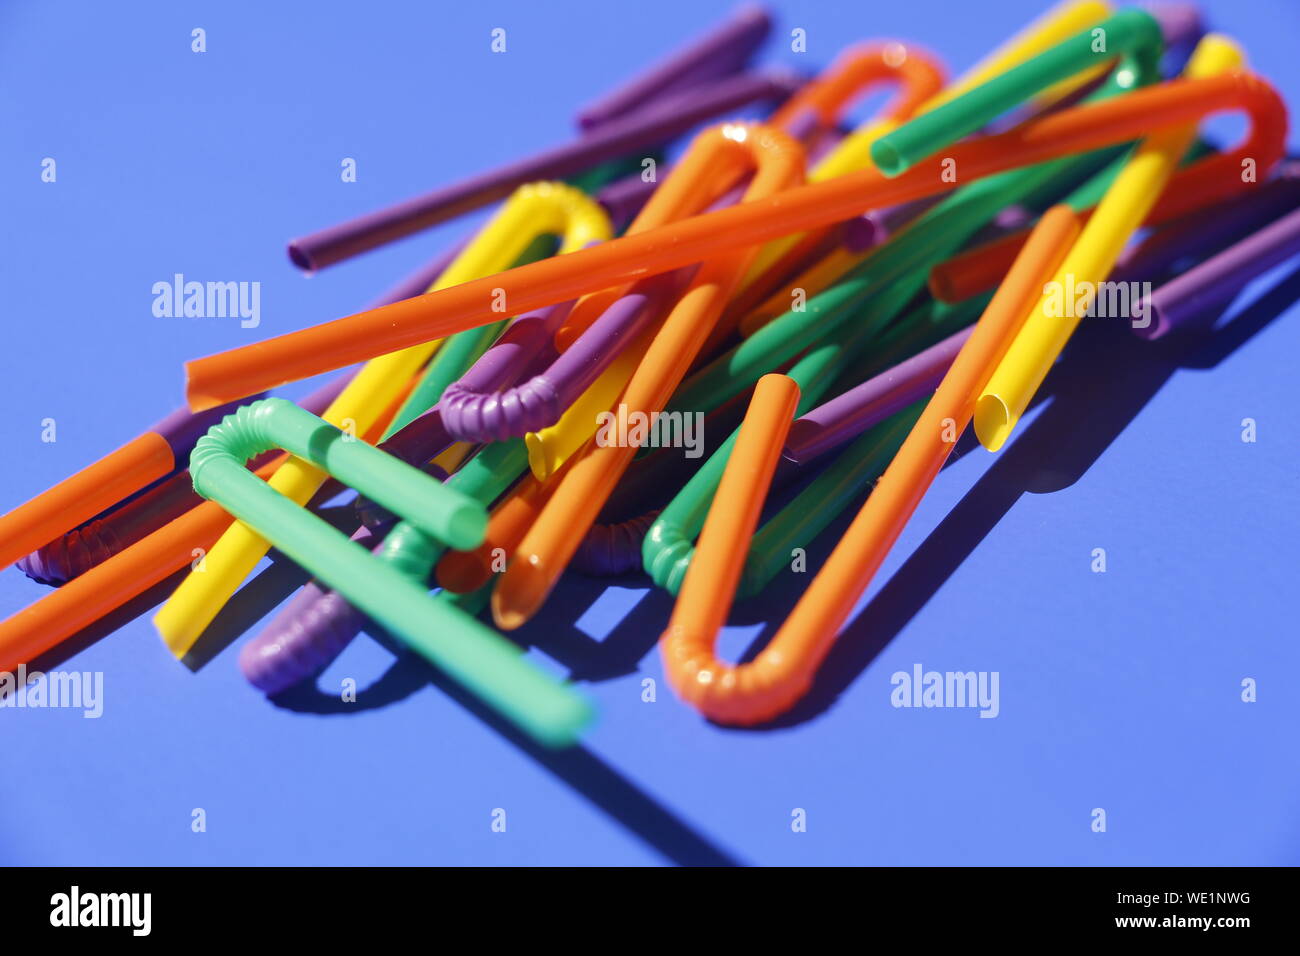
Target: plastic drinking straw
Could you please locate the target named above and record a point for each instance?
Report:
(882, 396)
(853, 153)
(980, 268)
(1218, 278)
(242, 371)
(710, 584)
(658, 122)
(479, 659)
(771, 683)
(579, 496)
(1132, 32)
(126, 575)
(707, 171)
(92, 543)
(458, 353)
(807, 514)
(536, 209)
(807, 116)
(319, 623)
(722, 51)
(1100, 243)
(99, 486)
(474, 413)
(666, 549)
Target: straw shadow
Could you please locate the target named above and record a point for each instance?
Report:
(579, 768)
(1038, 462)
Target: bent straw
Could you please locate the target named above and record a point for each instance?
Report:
(319, 623)
(1126, 203)
(107, 482)
(657, 123)
(979, 269)
(710, 584)
(537, 209)
(854, 152)
(1133, 33)
(237, 372)
(126, 575)
(550, 543)
(782, 672)
(95, 542)
(719, 53)
(666, 549)
(1218, 278)
(482, 661)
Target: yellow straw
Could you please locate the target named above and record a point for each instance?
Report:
(1120, 212)
(532, 210)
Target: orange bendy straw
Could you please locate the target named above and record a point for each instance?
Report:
(770, 684)
(581, 492)
(244, 371)
(710, 583)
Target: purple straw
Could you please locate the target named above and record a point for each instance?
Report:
(851, 413)
(1219, 278)
(657, 123)
(721, 52)
(472, 412)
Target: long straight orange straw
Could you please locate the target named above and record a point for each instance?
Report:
(555, 536)
(244, 371)
(772, 683)
(710, 583)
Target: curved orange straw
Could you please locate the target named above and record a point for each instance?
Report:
(781, 674)
(286, 358)
(596, 469)
(725, 692)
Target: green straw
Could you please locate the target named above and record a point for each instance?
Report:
(1130, 33)
(473, 654)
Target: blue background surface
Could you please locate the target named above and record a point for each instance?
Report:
(1118, 690)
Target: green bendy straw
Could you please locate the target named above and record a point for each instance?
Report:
(482, 660)
(667, 549)
(1131, 33)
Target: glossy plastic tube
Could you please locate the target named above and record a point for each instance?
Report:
(474, 655)
(657, 123)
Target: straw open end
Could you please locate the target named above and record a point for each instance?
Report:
(887, 159)
(992, 422)
(521, 591)
(299, 257)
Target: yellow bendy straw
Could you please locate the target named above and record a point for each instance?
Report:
(1120, 212)
(532, 210)
(854, 152)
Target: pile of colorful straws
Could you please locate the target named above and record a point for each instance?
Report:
(809, 288)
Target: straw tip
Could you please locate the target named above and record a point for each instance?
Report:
(887, 158)
(992, 421)
(300, 257)
(522, 590)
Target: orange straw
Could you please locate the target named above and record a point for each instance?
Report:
(710, 583)
(463, 572)
(781, 674)
(244, 371)
(129, 573)
(979, 269)
(596, 469)
(90, 491)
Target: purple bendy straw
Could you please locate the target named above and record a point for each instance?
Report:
(657, 123)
